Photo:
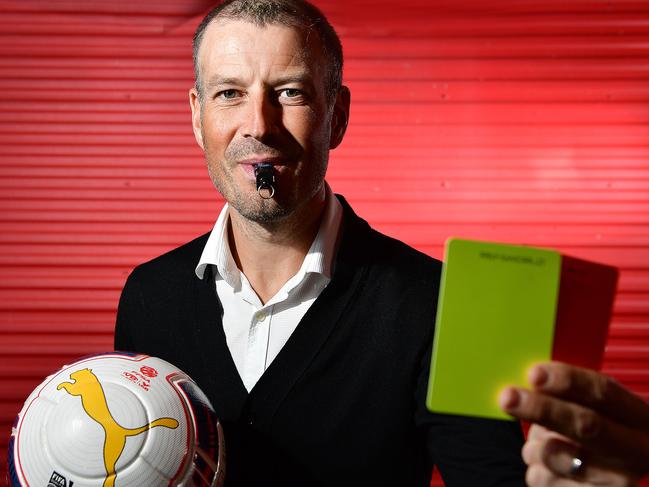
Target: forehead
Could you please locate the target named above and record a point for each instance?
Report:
(237, 45)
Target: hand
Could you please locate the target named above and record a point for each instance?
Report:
(587, 429)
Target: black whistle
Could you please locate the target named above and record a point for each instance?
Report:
(265, 177)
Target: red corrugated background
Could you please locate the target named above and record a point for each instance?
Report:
(521, 121)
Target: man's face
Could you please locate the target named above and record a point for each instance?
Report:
(264, 101)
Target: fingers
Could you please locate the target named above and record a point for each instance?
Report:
(591, 389)
(538, 475)
(588, 429)
(552, 461)
(556, 453)
(558, 457)
(537, 432)
(617, 446)
(572, 420)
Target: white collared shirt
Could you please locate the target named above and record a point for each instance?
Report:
(256, 332)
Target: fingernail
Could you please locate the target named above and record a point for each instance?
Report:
(509, 398)
(538, 376)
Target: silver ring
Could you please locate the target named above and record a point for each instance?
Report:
(576, 466)
(272, 191)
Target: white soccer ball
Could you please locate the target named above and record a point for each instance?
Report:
(117, 420)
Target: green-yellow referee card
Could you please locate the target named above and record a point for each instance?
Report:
(495, 318)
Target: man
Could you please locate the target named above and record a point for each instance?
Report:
(309, 332)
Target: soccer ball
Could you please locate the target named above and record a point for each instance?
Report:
(117, 420)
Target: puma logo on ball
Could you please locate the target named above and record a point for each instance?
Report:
(93, 401)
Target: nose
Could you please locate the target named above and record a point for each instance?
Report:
(262, 116)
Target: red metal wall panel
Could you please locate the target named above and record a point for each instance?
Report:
(519, 121)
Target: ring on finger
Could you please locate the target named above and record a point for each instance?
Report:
(576, 466)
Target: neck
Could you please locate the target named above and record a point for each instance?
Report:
(269, 255)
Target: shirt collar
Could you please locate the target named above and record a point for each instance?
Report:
(319, 259)
(217, 252)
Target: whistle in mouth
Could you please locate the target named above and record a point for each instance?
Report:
(265, 180)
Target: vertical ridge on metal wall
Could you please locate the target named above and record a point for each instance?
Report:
(514, 121)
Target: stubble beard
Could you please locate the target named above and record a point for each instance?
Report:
(269, 213)
(248, 204)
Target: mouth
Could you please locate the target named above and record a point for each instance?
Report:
(248, 165)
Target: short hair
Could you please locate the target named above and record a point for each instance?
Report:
(293, 13)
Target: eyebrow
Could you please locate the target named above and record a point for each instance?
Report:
(293, 78)
(222, 80)
(282, 80)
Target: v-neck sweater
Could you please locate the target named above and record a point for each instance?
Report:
(343, 403)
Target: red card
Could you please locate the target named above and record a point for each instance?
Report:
(586, 295)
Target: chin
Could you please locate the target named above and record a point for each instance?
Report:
(262, 211)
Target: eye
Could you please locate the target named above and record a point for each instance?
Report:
(291, 95)
(227, 94)
(290, 92)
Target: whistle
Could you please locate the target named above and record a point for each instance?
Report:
(265, 180)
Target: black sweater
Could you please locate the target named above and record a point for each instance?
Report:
(343, 402)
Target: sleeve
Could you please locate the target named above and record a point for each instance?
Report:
(130, 313)
(470, 451)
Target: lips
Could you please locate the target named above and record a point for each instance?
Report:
(248, 165)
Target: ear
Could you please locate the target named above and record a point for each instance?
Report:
(340, 117)
(195, 104)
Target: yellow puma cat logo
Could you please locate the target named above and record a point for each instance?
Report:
(93, 400)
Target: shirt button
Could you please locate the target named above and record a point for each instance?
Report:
(260, 316)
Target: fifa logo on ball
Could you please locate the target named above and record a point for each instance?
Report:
(58, 480)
